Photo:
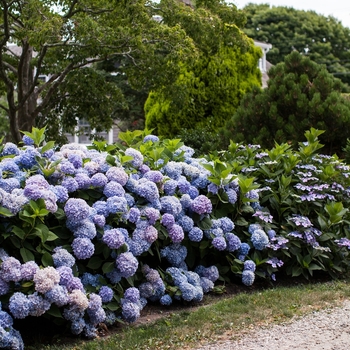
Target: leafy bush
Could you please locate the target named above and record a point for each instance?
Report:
(90, 235)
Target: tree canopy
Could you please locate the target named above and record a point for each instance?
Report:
(324, 39)
(208, 90)
(59, 38)
(301, 94)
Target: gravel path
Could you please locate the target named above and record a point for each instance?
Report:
(322, 330)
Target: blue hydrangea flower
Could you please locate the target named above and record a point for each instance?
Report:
(83, 180)
(106, 293)
(196, 234)
(101, 208)
(70, 184)
(61, 257)
(259, 239)
(151, 214)
(232, 195)
(186, 223)
(152, 138)
(28, 141)
(58, 295)
(166, 300)
(167, 220)
(173, 170)
(127, 264)
(130, 311)
(170, 205)
(248, 277)
(83, 248)
(175, 254)
(19, 305)
(170, 187)
(233, 242)
(177, 275)
(137, 157)
(134, 215)
(249, 265)
(60, 192)
(226, 224)
(28, 270)
(4, 287)
(148, 190)
(219, 243)
(37, 305)
(206, 284)
(117, 204)
(154, 175)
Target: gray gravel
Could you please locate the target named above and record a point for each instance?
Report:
(322, 330)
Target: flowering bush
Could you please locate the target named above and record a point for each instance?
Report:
(92, 234)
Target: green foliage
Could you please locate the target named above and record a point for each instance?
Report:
(209, 89)
(300, 95)
(323, 39)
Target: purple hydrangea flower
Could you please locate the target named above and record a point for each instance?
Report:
(83, 248)
(117, 204)
(45, 279)
(37, 305)
(202, 205)
(76, 210)
(83, 180)
(137, 157)
(117, 174)
(113, 238)
(233, 242)
(170, 205)
(28, 270)
(113, 188)
(170, 187)
(134, 215)
(176, 233)
(106, 294)
(99, 180)
(11, 270)
(130, 311)
(219, 243)
(70, 184)
(175, 254)
(127, 264)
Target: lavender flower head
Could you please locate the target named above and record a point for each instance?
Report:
(61, 257)
(113, 238)
(76, 210)
(137, 157)
(83, 248)
(202, 205)
(45, 279)
(127, 264)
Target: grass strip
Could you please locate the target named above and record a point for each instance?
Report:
(227, 318)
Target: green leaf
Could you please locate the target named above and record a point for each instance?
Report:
(205, 224)
(5, 212)
(26, 255)
(46, 259)
(108, 267)
(18, 232)
(94, 263)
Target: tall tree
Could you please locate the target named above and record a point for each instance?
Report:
(324, 39)
(208, 90)
(301, 94)
(58, 39)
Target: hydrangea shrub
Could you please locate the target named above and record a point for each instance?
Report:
(93, 234)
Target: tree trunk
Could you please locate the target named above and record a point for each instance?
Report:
(23, 117)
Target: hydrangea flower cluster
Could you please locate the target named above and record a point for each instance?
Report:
(103, 219)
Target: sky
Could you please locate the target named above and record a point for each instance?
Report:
(339, 9)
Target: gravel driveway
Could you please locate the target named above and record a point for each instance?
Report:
(321, 330)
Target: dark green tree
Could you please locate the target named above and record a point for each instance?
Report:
(324, 39)
(58, 39)
(301, 94)
(208, 90)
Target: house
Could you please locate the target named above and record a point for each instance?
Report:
(264, 65)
